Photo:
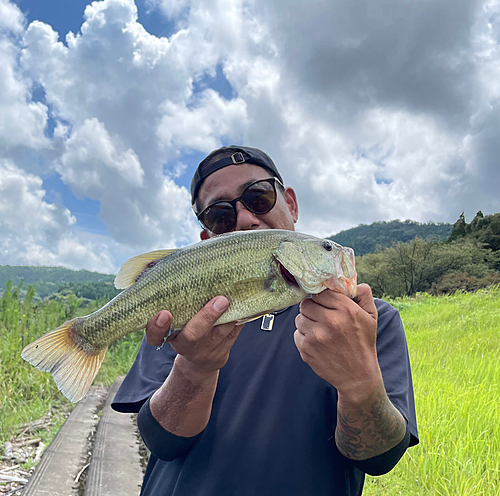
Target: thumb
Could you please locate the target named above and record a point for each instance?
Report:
(365, 300)
(206, 318)
(158, 327)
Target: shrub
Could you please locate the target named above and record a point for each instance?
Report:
(460, 281)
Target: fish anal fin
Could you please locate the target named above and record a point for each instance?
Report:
(59, 353)
(250, 319)
(133, 268)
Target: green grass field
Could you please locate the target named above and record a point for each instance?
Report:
(25, 392)
(454, 345)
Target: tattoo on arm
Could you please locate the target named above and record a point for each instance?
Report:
(369, 430)
(348, 437)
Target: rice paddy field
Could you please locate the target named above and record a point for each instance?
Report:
(454, 344)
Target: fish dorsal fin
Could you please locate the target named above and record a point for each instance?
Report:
(133, 268)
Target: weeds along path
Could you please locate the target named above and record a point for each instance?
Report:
(95, 453)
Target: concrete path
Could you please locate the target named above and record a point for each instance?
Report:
(114, 469)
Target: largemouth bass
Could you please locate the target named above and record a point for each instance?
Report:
(258, 271)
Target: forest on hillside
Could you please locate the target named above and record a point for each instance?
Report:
(365, 239)
(468, 260)
(48, 281)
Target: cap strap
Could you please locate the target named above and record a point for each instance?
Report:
(235, 158)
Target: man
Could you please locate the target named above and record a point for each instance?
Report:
(304, 403)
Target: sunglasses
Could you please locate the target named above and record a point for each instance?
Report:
(259, 198)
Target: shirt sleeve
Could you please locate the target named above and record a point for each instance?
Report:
(149, 371)
(394, 363)
(162, 444)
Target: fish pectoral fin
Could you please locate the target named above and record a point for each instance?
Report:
(72, 367)
(133, 268)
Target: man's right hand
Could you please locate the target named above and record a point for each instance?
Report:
(203, 347)
(183, 403)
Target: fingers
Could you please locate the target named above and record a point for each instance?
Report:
(204, 345)
(365, 300)
(158, 327)
(319, 307)
(330, 299)
(335, 300)
(200, 324)
(205, 319)
(303, 323)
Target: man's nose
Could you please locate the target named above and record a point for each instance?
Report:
(245, 220)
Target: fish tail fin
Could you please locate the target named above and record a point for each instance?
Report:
(61, 353)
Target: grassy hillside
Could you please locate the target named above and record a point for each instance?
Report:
(454, 344)
(366, 239)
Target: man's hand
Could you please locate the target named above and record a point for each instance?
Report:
(337, 337)
(203, 347)
(183, 403)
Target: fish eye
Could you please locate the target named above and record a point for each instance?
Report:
(327, 246)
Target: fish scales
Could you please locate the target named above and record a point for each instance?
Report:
(186, 280)
(246, 267)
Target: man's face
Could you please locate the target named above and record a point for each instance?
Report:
(229, 182)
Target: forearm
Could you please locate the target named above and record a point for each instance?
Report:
(369, 426)
(183, 404)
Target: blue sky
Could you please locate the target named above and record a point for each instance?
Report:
(373, 110)
(66, 16)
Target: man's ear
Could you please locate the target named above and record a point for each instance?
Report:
(204, 235)
(291, 201)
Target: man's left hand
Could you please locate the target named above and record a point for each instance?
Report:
(337, 337)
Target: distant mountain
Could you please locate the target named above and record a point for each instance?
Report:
(49, 280)
(369, 238)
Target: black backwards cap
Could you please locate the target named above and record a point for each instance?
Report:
(241, 155)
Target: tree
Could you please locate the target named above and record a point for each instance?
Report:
(408, 268)
(477, 222)
(402, 269)
(459, 228)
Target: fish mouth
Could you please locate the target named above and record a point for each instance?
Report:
(287, 276)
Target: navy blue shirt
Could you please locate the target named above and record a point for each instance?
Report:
(272, 426)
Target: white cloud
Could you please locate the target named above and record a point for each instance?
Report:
(92, 160)
(22, 207)
(202, 126)
(70, 252)
(11, 17)
(373, 110)
(37, 232)
(22, 121)
(127, 100)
